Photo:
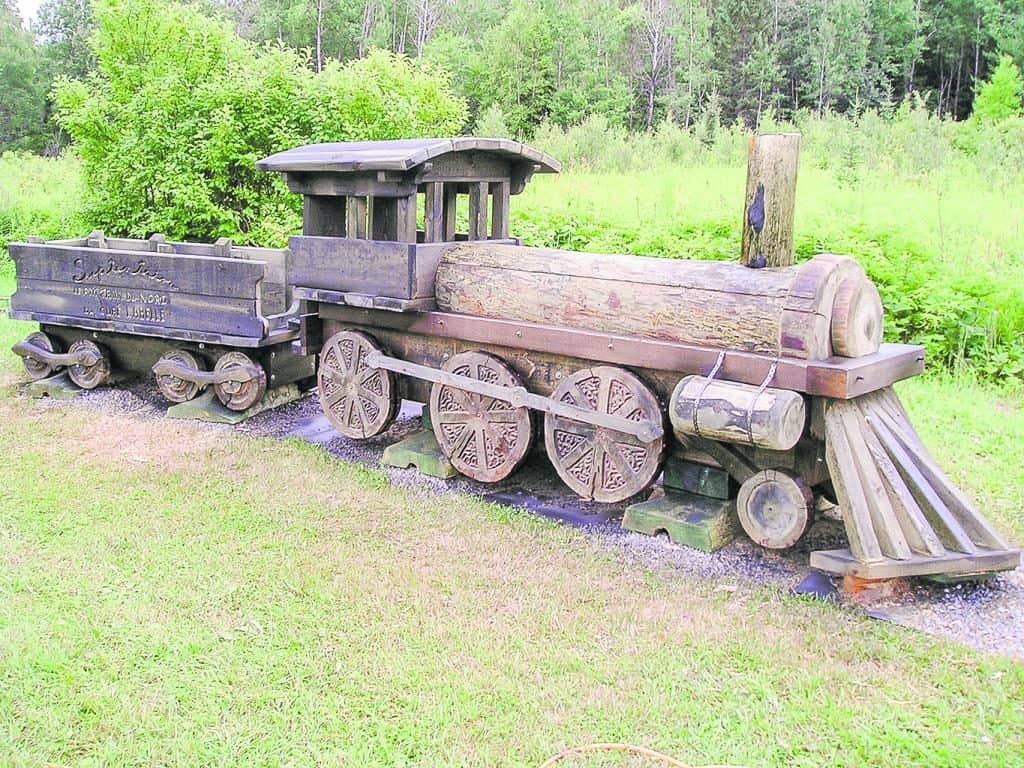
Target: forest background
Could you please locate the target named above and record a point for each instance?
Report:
(911, 113)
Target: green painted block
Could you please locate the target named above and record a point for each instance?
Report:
(419, 450)
(695, 521)
(207, 407)
(697, 479)
(59, 387)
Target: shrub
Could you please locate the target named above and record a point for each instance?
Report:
(170, 126)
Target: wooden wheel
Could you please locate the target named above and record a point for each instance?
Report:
(37, 369)
(94, 371)
(358, 400)
(774, 508)
(484, 438)
(239, 395)
(599, 463)
(176, 389)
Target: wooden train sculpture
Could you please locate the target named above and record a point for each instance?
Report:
(776, 377)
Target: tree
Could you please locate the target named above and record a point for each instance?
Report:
(22, 85)
(180, 108)
(1000, 97)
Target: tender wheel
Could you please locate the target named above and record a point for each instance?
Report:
(774, 508)
(175, 389)
(599, 463)
(484, 438)
(37, 369)
(358, 400)
(95, 371)
(240, 395)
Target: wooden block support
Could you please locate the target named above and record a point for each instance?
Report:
(771, 192)
(694, 521)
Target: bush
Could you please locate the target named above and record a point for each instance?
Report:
(180, 109)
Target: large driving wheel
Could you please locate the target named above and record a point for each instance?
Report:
(359, 400)
(484, 438)
(94, 370)
(596, 462)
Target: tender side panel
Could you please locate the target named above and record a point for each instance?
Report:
(142, 292)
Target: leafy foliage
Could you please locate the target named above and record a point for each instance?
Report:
(1000, 97)
(180, 108)
(22, 86)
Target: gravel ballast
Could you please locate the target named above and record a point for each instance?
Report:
(985, 615)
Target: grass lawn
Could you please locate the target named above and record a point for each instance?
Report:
(178, 595)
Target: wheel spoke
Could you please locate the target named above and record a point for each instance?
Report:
(573, 457)
(481, 448)
(452, 417)
(333, 399)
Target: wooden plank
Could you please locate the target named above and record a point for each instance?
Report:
(357, 217)
(324, 216)
(980, 529)
(946, 526)
(450, 206)
(918, 531)
(370, 267)
(884, 521)
(500, 192)
(200, 275)
(139, 307)
(433, 214)
(405, 219)
(846, 480)
(478, 210)
(347, 185)
(468, 166)
(845, 377)
(844, 562)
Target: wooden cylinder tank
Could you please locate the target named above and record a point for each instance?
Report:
(823, 308)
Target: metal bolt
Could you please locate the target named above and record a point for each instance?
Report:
(519, 334)
(610, 345)
(558, 374)
(202, 345)
(445, 356)
(273, 354)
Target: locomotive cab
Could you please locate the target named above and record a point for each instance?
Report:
(377, 215)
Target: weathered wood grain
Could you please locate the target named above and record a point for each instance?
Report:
(738, 413)
(708, 303)
(200, 275)
(772, 161)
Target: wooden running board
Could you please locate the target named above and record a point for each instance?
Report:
(903, 516)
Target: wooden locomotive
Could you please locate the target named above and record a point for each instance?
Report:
(774, 377)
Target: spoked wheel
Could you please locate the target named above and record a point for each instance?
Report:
(94, 371)
(359, 400)
(244, 392)
(599, 463)
(174, 388)
(37, 369)
(484, 438)
(775, 508)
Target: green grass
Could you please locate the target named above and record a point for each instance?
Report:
(178, 596)
(171, 595)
